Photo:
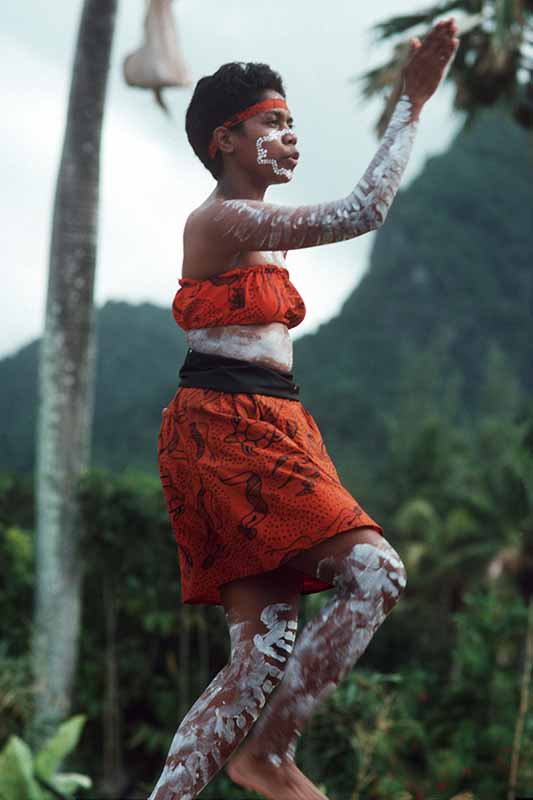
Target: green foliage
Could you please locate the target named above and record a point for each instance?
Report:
(16, 593)
(54, 750)
(25, 777)
(430, 709)
(407, 735)
(16, 772)
(443, 306)
(487, 67)
(15, 684)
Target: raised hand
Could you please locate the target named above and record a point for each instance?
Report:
(236, 224)
(427, 61)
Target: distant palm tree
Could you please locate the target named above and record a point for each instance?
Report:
(493, 64)
(66, 377)
(68, 350)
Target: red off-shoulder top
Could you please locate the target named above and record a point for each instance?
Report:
(252, 295)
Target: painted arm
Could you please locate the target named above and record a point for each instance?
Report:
(253, 225)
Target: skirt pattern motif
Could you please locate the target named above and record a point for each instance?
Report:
(248, 484)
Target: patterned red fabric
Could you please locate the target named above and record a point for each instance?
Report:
(248, 484)
(247, 479)
(253, 295)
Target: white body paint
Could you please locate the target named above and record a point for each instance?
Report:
(368, 581)
(262, 154)
(259, 226)
(229, 706)
(269, 345)
(364, 578)
(264, 226)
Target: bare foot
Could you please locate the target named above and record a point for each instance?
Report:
(283, 782)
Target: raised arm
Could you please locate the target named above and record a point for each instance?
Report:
(254, 225)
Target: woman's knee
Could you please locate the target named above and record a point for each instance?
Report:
(369, 570)
(340, 559)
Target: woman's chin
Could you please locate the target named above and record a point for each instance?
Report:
(286, 176)
(281, 177)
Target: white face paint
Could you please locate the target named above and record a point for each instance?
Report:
(262, 155)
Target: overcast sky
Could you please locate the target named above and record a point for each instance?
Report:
(151, 179)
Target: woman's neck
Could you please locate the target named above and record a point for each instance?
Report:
(231, 186)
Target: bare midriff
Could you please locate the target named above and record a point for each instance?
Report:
(269, 345)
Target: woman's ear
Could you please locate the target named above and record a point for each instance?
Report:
(224, 139)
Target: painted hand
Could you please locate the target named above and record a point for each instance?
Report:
(428, 60)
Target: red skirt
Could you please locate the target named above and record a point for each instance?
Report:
(248, 484)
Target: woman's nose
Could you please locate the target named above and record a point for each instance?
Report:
(290, 136)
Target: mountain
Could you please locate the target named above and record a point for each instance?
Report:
(140, 350)
(450, 282)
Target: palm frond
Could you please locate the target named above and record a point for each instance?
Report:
(403, 22)
(377, 80)
(493, 64)
(509, 20)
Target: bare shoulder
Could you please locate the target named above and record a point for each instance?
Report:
(203, 254)
(194, 223)
(199, 223)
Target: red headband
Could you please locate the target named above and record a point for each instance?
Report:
(251, 111)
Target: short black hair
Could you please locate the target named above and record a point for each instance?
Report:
(216, 98)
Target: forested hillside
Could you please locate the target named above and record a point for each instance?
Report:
(450, 282)
(140, 350)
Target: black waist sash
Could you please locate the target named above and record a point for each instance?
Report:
(210, 371)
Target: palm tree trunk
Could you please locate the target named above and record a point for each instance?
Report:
(114, 778)
(66, 377)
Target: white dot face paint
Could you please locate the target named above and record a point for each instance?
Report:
(262, 154)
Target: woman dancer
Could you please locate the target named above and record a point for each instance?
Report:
(256, 505)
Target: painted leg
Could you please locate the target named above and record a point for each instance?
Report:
(369, 577)
(222, 716)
